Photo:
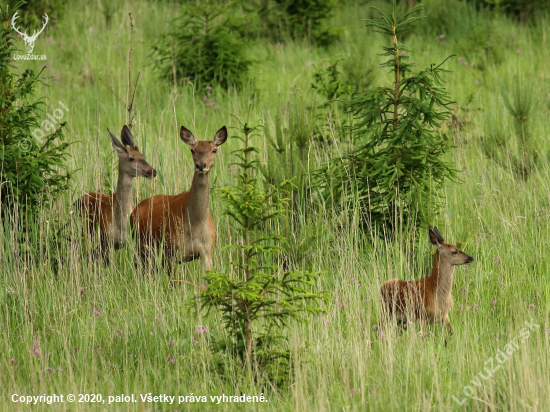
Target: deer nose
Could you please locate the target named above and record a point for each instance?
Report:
(153, 173)
(200, 166)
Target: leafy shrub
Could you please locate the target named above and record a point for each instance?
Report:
(32, 12)
(395, 171)
(206, 47)
(359, 68)
(33, 171)
(261, 299)
(520, 156)
(302, 19)
(308, 19)
(523, 10)
(331, 84)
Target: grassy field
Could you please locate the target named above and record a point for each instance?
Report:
(92, 329)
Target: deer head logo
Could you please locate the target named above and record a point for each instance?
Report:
(29, 40)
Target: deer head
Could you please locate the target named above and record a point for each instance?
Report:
(447, 251)
(204, 152)
(29, 40)
(131, 161)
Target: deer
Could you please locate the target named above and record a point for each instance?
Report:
(428, 299)
(110, 212)
(181, 225)
(29, 40)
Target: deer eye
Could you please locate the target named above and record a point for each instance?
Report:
(192, 151)
(132, 159)
(455, 252)
(214, 151)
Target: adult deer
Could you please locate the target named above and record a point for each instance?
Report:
(29, 40)
(428, 299)
(110, 212)
(181, 224)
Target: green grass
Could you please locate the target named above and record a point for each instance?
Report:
(110, 330)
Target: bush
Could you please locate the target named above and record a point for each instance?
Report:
(33, 170)
(520, 156)
(523, 10)
(32, 12)
(260, 298)
(308, 19)
(205, 48)
(394, 173)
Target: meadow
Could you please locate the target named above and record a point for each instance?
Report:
(110, 330)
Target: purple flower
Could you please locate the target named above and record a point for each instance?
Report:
(171, 359)
(201, 329)
(441, 36)
(12, 360)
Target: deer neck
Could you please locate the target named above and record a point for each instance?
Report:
(442, 277)
(197, 208)
(122, 206)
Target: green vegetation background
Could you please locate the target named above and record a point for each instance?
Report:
(110, 330)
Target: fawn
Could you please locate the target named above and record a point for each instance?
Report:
(427, 299)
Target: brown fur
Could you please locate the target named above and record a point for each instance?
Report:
(182, 224)
(109, 212)
(427, 299)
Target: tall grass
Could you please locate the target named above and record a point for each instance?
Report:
(86, 328)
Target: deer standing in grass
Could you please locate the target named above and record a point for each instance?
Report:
(110, 212)
(428, 299)
(181, 224)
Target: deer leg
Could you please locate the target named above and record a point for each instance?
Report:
(207, 264)
(168, 263)
(447, 323)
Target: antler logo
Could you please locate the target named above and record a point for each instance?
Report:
(29, 40)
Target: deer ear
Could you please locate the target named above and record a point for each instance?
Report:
(221, 136)
(187, 137)
(126, 137)
(119, 147)
(436, 238)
